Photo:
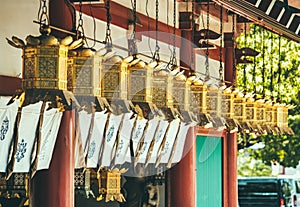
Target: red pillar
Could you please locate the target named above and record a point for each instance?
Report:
(182, 177)
(230, 76)
(232, 169)
(54, 187)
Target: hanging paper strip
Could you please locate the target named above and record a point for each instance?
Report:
(145, 144)
(95, 142)
(110, 138)
(179, 145)
(159, 137)
(171, 136)
(125, 135)
(84, 125)
(137, 134)
(7, 121)
(50, 127)
(26, 137)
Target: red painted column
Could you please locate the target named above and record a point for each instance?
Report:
(232, 169)
(182, 177)
(54, 187)
(230, 75)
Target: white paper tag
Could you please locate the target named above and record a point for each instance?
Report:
(110, 138)
(50, 127)
(100, 120)
(26, 137)
(8, 116)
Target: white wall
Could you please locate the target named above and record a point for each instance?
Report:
(16, 19)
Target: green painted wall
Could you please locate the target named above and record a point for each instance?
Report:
(209, 171)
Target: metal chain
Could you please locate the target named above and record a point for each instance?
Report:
(279, 68)
(221, 71)
(108, 40)
(44, 13)
(207, 52)
(263, 62)
(80, 29)
(254, 64)
(244, 66)
(132, 45)
(193, 35)
(271, 79)
(173, 58)
(234, 82)
(156, 53)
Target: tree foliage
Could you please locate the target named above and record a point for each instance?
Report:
(275, 74)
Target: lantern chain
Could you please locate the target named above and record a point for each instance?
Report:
(132, 46)
(108, 39)
(263, 62)
(193, 36)
(173, 57)
(271, 79)
(244, 66)
(279, 68)
(80, 29)
(207, 52)
(221, 72)
(43, 12)
(156, 53)
(254, 60)
(234, 84)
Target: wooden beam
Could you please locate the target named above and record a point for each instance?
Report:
(9, 85)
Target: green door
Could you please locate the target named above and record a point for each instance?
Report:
(209, 171)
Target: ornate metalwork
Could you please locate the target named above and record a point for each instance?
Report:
(213, 101)
(181, 94)
(198, 98)
(114, 78)
(110, 184)
(45, 66)
(140, 85)
(162, 89)
(84, 69)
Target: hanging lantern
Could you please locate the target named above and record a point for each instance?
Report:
(139, 81)
(44, 61)
(82, 182)
(84, 72)
(240, 113)
(110, 185)
(16, 187)
(269, 118)
(198, 102)
(114, 77)
(181, 92)
(260, 115)
(162, 89)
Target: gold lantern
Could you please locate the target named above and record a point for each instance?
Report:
(213, 101)
(44, 62)
(198, 102)
(109, 182)
(15, 187)
(140, 82)
(113, 77)
(82, 182)
(181, 93)
(162, 89)
(227, 109)
(260, 115)
(250, 112)
(239, 111)
(269, 118)
(84, 72)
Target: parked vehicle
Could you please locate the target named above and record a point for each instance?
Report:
(266, 192)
